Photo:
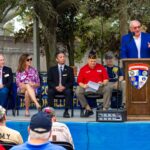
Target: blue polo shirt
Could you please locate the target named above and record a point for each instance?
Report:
(44, 146)
(113, 73)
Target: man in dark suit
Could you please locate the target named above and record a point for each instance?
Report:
(60, 80)
(136, 44)
(6, 80)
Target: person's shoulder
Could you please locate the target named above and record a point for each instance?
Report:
(33, 68)
(59, 124)
(53, 67)
(84, 67)
(18, 147)
(7, 68)
(145, 34)
(126, 36)
(68, 67)
(12, 131)
(100, 65)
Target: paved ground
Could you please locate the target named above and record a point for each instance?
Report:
(59, 114)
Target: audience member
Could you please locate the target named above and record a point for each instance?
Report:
(6, 80)
(60, 81)
(6, 134)
(94, 72)
(135, 44)
(28, 81)
(59, 131)
(115, 72)
(39, 134)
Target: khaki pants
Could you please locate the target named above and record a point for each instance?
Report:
(122, 87)
(106, 91)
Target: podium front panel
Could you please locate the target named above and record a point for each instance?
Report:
(137, 100)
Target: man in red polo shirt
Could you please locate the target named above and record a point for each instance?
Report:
(94, 72)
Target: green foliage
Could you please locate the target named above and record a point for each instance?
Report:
(96, 28)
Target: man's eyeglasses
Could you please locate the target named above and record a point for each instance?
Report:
(29, 59)
(137, 27)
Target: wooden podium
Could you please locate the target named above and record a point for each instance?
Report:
(137, 100)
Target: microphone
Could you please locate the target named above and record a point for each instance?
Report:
(132, 33)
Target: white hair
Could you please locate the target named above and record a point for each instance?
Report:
(133, 21)
(35, 135)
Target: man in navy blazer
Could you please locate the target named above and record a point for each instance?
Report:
(60, 80)
(136, 44)
(6, 80)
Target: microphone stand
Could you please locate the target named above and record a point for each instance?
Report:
(118, 83)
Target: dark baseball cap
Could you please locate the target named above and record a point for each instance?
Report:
(40, 122)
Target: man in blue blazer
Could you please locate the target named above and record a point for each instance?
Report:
(6, 80)
(136, 44)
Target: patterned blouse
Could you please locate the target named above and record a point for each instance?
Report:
(30, 75)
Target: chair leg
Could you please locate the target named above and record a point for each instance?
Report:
(13, 112)
(72, 111)
(17, 105)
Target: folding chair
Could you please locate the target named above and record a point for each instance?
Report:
(94, 96)
(66, 145)
(62, 97)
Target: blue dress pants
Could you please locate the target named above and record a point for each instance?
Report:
(3, 96)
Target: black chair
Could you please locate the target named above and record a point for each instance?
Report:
(7, 145)
(66, 145)
(62, 97)
(94, 96)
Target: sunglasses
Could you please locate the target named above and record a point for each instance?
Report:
(138, 27)
(29, 59)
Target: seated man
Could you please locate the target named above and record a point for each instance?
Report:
(60, 132)
(6, 80)
(94, 72)
(39, 133)
(60, 79)
(8, 135)
(114, 72)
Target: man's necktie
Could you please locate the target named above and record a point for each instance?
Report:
(60, 75)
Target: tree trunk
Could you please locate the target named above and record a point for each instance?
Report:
(70, 47)
(123, 16)
(50, 47)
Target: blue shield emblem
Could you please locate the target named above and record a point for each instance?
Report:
(138, 74)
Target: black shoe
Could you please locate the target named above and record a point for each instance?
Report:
(88, 113)
(82, 112)
(66, 114)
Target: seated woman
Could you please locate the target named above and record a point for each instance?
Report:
(27, 80)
